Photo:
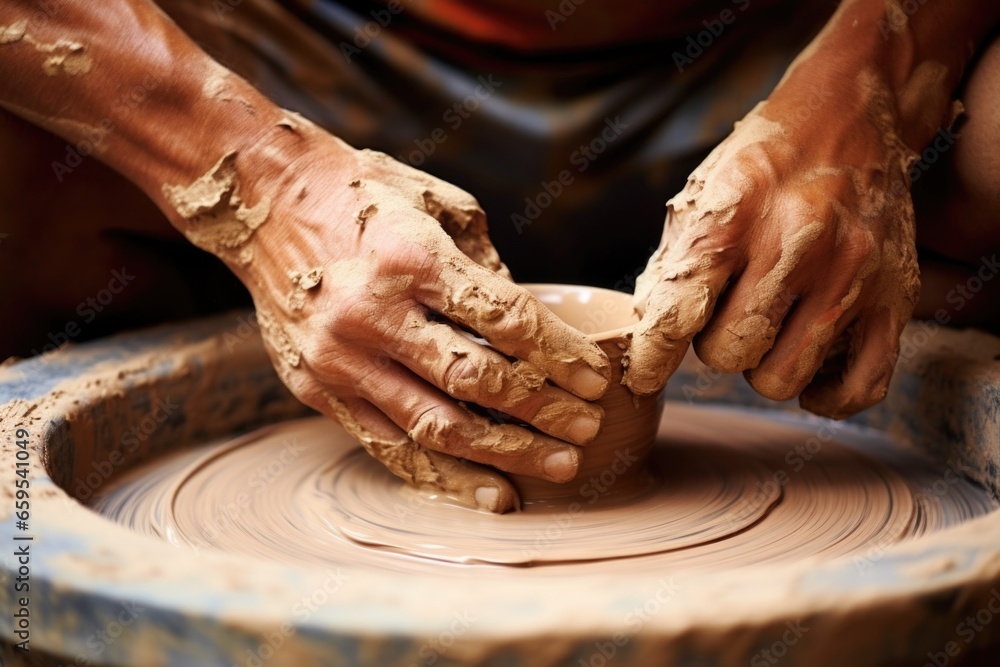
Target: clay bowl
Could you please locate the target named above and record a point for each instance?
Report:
(614, 465)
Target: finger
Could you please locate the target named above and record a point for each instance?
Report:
(436, 421)
(465, 222)
(519, 325)
(457, 211)
(749, 315)
(860, 377)
(477, 374)
(809, 333)
(466, 483)
(679, 305)
(806, 339)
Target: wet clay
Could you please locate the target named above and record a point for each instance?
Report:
(218, 219)
(712, 488)
(727, 488)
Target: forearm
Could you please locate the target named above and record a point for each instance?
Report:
(120, 81)
(917, 50)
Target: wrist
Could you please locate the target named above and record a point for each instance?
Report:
(209, 115)
(255, 207)
(872, 58)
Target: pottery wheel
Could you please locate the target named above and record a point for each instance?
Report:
(727, 488)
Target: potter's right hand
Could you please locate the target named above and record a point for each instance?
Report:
(354, 261)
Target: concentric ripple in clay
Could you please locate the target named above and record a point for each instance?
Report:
(727, 488)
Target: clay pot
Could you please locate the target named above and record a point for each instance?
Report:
(614, 466)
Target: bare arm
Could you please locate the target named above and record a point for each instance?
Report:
(790, 254)
(73, 71)
(347, 253)
(917, 49)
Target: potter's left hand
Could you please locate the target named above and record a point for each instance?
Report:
(791, 250)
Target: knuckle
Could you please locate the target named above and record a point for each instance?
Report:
(858, 246)
(461, 376)
(798, 209)
(714, 352)
(452, 206)
(756, 161)
(681, 309)
(515, 321)
(334, 360)
(840, 400)
(351, 311)
(736, 346)
(398, 256)
(432, 426)
(304, 387)
(876, 392)
(853, 402)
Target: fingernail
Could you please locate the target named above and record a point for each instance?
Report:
(560, 466)
(584, 428)
(486, 498)
(587, 383)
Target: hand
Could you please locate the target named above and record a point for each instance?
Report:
(359, 259)
(791, 250)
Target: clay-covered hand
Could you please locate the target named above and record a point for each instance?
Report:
(360, 268)
(791, 250)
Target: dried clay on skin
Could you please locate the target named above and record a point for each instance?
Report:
(216, 218)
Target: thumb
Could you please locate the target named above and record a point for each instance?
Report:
(465, 222)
